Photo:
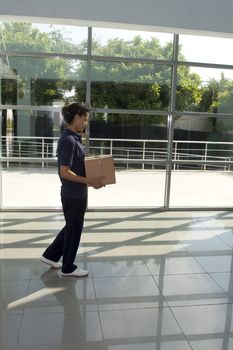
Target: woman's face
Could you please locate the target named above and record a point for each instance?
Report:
(81, 122)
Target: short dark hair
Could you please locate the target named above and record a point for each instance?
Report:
(70, 111)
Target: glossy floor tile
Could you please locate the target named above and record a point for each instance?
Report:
(216, 263)
(162, 345)
(191, 289)
(225, 281)
(13, 270)
(127, 293)
(59, 295)
(119, 268)
(226, 236)
(10, 329)
(11, 291)
(208, 244)
(173, 265)
(224, 343)
(156, 324)
(206, 321)
(160, 281)
(70, 329)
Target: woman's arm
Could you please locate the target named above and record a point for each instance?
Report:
(69, 175)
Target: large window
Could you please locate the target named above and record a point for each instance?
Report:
(144, 90)
(202, 169)
(141, 166)
(43, 81)
(43, 38)
(130, 85)
(207, 90)
(131, 43)
(206, 49)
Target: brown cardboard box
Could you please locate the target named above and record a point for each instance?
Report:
(101, 166)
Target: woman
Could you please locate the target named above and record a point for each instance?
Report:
(71, 171)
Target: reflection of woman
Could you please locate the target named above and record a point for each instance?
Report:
(71, 170)
(73, 327)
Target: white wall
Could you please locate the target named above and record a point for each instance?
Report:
(204, 16)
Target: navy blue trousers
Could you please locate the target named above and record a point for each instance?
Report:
(67, 241)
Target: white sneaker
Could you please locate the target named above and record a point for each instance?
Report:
(76, 273)
(55, 265)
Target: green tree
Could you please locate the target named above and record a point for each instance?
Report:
(223, 102)
(209, 96)
(217, 97)
(131, 85)
(143, 86)
(188, 92)
(39, 81)
(115, 85)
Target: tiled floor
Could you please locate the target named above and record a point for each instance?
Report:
(161, 281)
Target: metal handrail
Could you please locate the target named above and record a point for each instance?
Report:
(23, 147)
(121, 140)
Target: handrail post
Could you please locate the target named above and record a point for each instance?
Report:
(47, 153)
(174, 166)
(42, 152)
(101, 150)
(111, 145)
(7, 150)
(20, 152)
(143, 154)
(206, 150)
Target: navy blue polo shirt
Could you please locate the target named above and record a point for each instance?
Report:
(70, 152)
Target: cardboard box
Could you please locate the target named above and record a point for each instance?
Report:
(101, 166)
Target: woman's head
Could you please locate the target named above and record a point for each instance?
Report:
(76, 115)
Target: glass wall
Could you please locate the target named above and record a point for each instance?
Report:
(203, 124)
(129, 144)
(43, 38)
(145, 90)
(205, 49)
(131, 43)
(202, 161)
(210, 89)
(130, 85)
(130, 93)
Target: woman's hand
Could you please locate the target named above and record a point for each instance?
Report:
(96, 182)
